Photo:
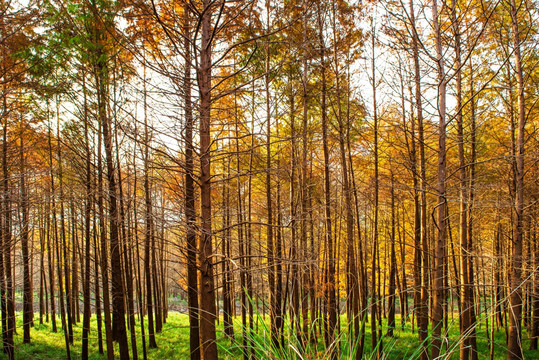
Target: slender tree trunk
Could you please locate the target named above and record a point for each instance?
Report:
(56, 238)
(97, 292)
(208, 311)
(190, 210)
(102, 228)
(3, 234)
(374, 271)
(421, 263)
(241, 235)
(42, 284)
(117, 289)
(155, 278)
(87, 313)
(279, 247)
(466, 289)
(393, 265)
(274, 307)
(124, 243)
(351, 273)
(24, 204)
(139, 274)
(65, 246)
(515, 298)
(225, 268)
(438, 303)
(149, 237)
(249, 235)
(9, 323)
(50, 259)
(330, 288)
(75, 316)
(308, 286)
(471, 193)
(535, 296)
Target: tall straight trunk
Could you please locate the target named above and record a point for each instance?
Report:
(466, 290)
(50, 260)
(67, 272)
(307, 255)
(54, 231)
(117, 289)
(330, 289)
(87, 312)
(275, 316)
(48, 210)
(24, 204)
(8, 309)
(3, 230)
(535, 292)
(190, 210)
(295, 318)
(124, 244)
(208, 310)
(439, 251)
(374, 271)
(155, 278)
(471, 194)
(515, 298)
(249, 234)
(100, 75)
(97, 292)
(498, 282)
(351, 267)
(361, 273)
(137, 253)
(393, 265)
(61, 302)
(241, 233)
(149, 234)
(421, 258)
(75, 313)
(225, 267)
(42, 283)
(13, 273)
(404, 286)
(279, 246)
(163, 264)
(412, 154)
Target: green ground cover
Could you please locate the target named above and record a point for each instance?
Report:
(173, 343)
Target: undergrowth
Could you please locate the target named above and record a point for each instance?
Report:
(173, 342)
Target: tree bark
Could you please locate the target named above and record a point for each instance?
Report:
(514, 343)
(190, 210)
(438, 303)
(208, 311)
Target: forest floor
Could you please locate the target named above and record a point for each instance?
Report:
(173, 343)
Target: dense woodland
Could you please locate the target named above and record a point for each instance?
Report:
(323, 174)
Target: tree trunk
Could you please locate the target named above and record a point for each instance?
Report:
(87, 312)
(28, 310)
(274, 306)
(393, 266)
(438, 303)
(515, 298)
(330, 284)
(208, 311)
(190, 210)
(8, 310)
(149, 238)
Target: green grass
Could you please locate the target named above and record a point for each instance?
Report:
(173, 342)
